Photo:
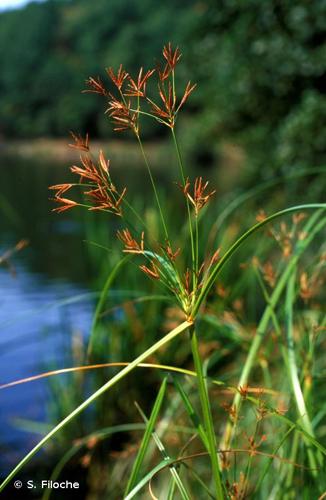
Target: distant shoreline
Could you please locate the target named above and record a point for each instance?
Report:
(58, 150)
(122, 154)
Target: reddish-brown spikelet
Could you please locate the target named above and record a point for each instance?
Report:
(215, 257)
(167, 98)
(66, 204)
(187, 281)
(103, 162)
(231, 410)
(253, 446)
(80, 143)
(269, 274)
(151, 272)
(169, 252)
(188, 90)
(102, 199)
(119, 78)
(60, 188)
(123, 118)
(138, 88)
(160, 112)
(198, 199)
(88, 171)
(167, 113)
(261, 216)
(102, 194)
(243, 390)
(163, 73)
(171, 56)
(95, 86)
(130, 244)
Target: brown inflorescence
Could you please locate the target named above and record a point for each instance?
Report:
(199, 198)
(130, 244)
(126, 107)
(94, 180)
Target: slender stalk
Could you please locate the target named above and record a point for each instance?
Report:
(196, 248)
(293, 372)
(294, 451)
(154, 188)
(207, 414)
(102, 299)
(150, 427)
(191, 232)
(288, 354)
(173, 470)
(264, 322)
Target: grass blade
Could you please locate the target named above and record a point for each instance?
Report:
(173, 470)
(207, 415)
(113, 273)
(192, 413)
(210, 281)
(311, 230)
(150, 424)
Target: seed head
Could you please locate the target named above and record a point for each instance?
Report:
(119, 78)
(171, 56)
(80, 143)
(65, 204)
(152, 271)
(101, 192)
(130, 244)
(95, 86)
(122, 116)
(138, 88)
(199, 198)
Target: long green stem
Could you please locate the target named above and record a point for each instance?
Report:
(288, 355)
(111, 276)
(293, 371)
(166, 339)
(196, 248)
(207, 415)
(154, 188)
(182, 173)
(264, 322)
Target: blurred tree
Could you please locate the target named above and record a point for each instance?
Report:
(261, 68)
(48, 50)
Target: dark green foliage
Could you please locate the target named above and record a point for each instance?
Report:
(260, 70)
(262, 64)
(48, 50)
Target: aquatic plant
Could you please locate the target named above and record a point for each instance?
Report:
(134, 99)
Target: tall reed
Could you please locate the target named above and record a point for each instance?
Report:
(131, 100)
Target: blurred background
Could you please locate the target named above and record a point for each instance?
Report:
(257, 117)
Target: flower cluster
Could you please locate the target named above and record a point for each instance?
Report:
(199, 198)
(95, 181)
(126, 107)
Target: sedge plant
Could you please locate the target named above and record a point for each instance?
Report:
(153, 95)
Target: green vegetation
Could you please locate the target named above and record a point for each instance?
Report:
(62, 43)
(224, 308)
(203, 375)
(262, 66)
